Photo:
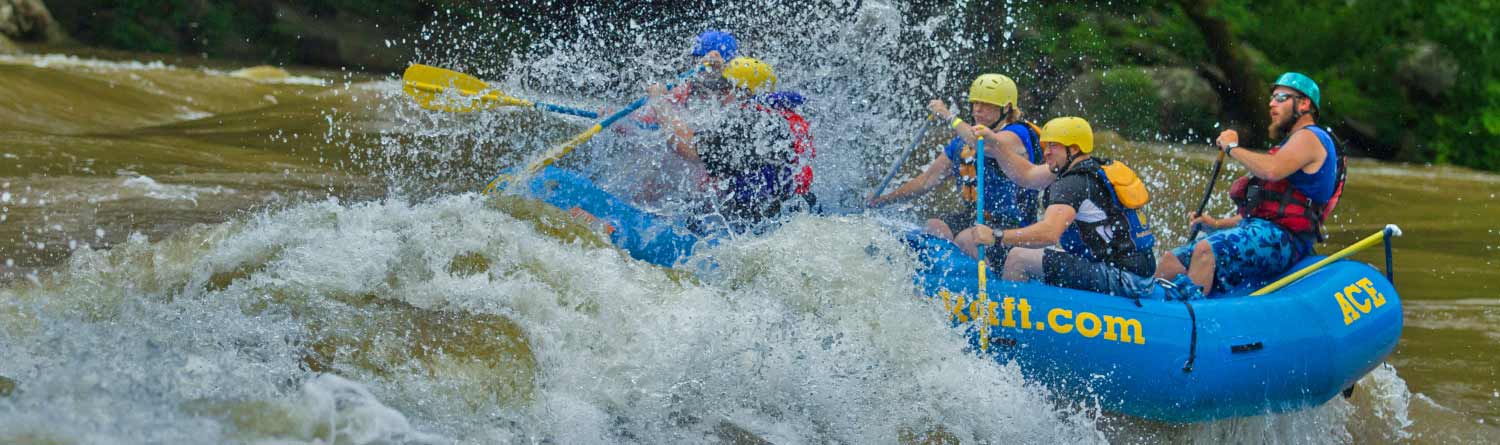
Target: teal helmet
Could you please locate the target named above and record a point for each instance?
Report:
(1302, 84)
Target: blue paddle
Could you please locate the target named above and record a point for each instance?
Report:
(896, 165)
(981, 316)
(573, 143)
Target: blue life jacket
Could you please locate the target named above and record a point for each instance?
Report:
(1321, 185)
(1138, 238)
(1007, 202)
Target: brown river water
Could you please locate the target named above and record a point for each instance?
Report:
(96, 153)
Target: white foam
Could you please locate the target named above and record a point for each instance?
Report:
(191, 115)
(75, 62)
(808, 339)
(351, 414)
(300, 80)
(147, 187)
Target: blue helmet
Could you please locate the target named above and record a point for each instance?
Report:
(1303, 84)
(715, 40)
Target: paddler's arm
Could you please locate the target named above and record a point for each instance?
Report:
(1016, 167)
(1301, 151)
(1046, 232)
(680, 135)
(1215, 223)
(935, 173)
(940, 109)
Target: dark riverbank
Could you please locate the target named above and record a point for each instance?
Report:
(1405, 82)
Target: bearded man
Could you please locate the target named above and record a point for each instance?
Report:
(1282, 204)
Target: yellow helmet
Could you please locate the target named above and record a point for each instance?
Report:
(1069, 131)
(750, 74)
(993, 89)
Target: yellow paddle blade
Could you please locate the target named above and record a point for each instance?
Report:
(446, 90)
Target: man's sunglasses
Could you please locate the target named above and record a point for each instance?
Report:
(1282, 97)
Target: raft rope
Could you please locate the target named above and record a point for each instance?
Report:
(1192, 320)
(1193, 345)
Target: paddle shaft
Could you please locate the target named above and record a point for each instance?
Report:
(565, 110)
(1207, 193)
(1389, 231)
(581, 138)
(896, 165)
(981, 316)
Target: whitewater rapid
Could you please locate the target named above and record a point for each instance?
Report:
(434, 315)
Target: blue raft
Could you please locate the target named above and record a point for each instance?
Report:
(1155, 358)
(1181, 361)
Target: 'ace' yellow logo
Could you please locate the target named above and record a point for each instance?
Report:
(1353, 304)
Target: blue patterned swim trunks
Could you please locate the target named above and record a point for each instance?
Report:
(1250, 254)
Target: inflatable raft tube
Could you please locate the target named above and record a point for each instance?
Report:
(1155, 358)
(1180, 361)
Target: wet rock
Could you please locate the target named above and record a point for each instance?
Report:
(7, 386)
(935, 435)
(1142, 102)
(28, 20)
(726, 431)
(551, 221)
(487, 356)
(468, 263)
(734, 434)
(1427, 71)
(252, 419)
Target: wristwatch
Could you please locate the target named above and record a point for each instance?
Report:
(1231, 147)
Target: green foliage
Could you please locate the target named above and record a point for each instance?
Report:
(312, 31)
(1360, 52)
(135, 24)
(1378, 88)
(1443, 106)
(1094, 59)
(1123, 100)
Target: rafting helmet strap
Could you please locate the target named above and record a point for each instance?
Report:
(1297, 111)
(1058, 172)
(1004, 114)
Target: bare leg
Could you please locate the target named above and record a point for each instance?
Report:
(1202, 269)
(938, 227)
(966, 243)
(1023, 264)
(1169, 267)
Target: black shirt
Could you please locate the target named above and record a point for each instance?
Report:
(1099, 230)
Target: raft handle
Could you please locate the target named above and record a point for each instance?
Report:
(1247, 347)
